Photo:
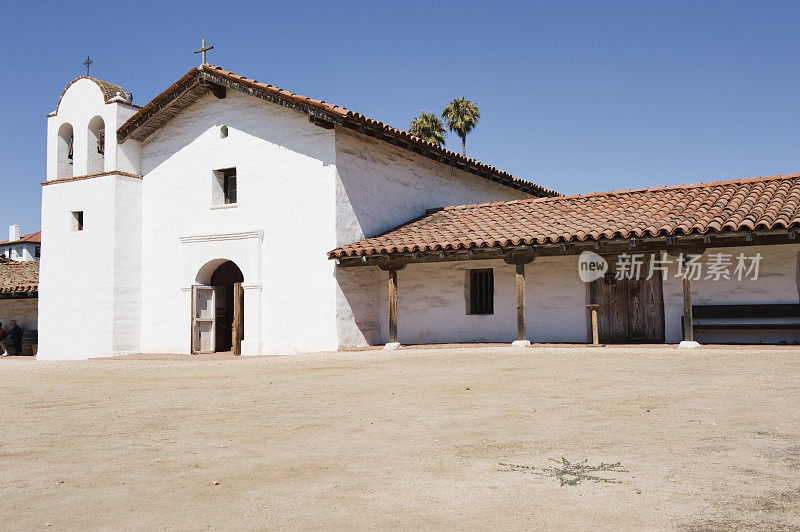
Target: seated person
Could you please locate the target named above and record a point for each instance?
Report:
(12, 343)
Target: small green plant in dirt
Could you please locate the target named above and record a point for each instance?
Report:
(571, 473)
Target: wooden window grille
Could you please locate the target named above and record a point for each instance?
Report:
(481, 291)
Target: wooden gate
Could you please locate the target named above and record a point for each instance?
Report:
(631, 310)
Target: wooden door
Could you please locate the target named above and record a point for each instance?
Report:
(238, 319)
(203, 318)
(631, 310)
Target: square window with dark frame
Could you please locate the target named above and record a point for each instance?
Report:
(225, 187)
(481, 291)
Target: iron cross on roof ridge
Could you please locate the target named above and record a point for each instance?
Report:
(86, 63)
(203, 49)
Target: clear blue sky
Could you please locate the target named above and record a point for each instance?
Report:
(579, 96)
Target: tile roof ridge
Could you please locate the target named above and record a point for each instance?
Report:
(737, 181)
(29, 238)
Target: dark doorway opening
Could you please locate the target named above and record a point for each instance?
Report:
(229, 307)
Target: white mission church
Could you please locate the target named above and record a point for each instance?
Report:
(228, 214)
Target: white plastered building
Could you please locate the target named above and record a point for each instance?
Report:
(21, 247)
(220, 169)
(228, 214)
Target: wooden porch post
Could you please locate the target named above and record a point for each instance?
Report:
(392, 267)
(593, 308)
(685, 254)
(688, 321)
(392, 306)
(519, 259)
(520, 278)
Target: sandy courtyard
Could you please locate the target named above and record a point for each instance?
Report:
(709, 439)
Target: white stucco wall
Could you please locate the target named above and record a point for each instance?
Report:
(20, 252)
(380, 186)
(89, 280)
(24, 310)
(127, 265)
(777, 283)
(277, 234)
(432, 301)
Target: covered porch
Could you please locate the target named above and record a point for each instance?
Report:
(418, 283)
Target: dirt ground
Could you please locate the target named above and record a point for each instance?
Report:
(707, 439)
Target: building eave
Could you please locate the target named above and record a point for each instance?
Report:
(673, 244)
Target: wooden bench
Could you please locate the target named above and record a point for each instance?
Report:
(785, 316)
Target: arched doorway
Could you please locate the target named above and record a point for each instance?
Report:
(218, 308)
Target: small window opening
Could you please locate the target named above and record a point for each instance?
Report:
(225, 187)
(37, 252)
(77, 220)
(223, 132)
(481, 291)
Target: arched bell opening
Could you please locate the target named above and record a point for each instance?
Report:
(95, 146)
(66, 140)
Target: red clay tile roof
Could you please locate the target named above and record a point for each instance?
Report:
(337, 114)
(33, 238)
(19, 276)
(744, 204)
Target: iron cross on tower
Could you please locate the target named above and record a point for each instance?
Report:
(203, 50)
(87, 63)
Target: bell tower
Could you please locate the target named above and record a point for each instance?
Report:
(91, 226)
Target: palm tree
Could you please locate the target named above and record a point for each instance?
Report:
(461, 116)
(427, 126)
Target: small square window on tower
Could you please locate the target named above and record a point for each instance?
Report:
(224, 187)
(77, 220)
(481, 291)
